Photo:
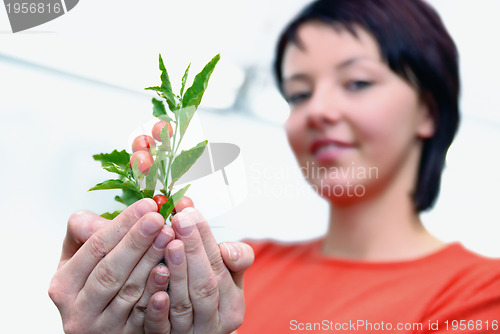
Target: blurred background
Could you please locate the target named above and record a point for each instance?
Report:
(73, 87)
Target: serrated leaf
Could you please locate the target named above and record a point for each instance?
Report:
(185, 115)
(120, 158)
(184, 78)
(158, 108)
(185, 160)
(111, 215)
(115, 184)
(114, 168)
(167, 208)
(194, 94)
(166, 86)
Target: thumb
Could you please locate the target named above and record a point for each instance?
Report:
(238, 257)
(81, 226)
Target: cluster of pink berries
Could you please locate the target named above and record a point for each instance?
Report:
(142, 145)
(141, 148)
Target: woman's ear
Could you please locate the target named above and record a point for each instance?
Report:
(427, 115)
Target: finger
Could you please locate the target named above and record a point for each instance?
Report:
(81, 225)
(226, 284)
(202, 282)
(181, 309)
(133, 290)
(157, 314)
(157, 281)
(162, 274)
(238, 257)
(112, 271)
(102, 242)
(209, 243)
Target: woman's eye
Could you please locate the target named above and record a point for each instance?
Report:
(296, 98)
(357, 85)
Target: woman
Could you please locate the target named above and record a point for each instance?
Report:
(373, 93)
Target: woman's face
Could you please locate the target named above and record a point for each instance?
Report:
(355, 126)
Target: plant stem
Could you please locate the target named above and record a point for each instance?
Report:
(173, 151)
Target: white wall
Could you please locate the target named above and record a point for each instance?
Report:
(51, 124)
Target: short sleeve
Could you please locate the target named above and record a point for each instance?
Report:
(468, 305)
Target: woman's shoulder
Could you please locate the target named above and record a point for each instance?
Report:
(476, 269)
(469, 286)
(457, 253)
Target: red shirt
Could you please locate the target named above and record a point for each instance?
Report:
(293, 288)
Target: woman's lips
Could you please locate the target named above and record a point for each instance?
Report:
(328, 150)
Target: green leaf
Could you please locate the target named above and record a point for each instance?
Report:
(185, 160)
(152, 177)
(166, 118)
(166, 86)
(155, 88)
(129, 197)
(114, 168)
(172, 104)
(111, 215)
(165, 140)
(115, 184)
(130, 185)
(135, 170)
(119, 199)
(121, 158)
(184, 78)
(193, 94)
(185, 115)
(148, 193)
(167, 208)
(158, 108)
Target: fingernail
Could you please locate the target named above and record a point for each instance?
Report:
(161, 278)
(233, 250)
(185, 225)
(149, 227)
(161, 241)
(142, 208)
(176, 256)
(194, 214)
(160, 303)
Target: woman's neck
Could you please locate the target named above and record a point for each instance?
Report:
(381, 228)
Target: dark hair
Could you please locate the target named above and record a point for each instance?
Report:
(415, 44)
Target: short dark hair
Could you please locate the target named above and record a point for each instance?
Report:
(415, 44)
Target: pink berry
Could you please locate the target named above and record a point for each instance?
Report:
(158, 127)
(143, 143)
(145, 161)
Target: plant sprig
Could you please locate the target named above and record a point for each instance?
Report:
(168, 165)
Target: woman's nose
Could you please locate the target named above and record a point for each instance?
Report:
(323, 109)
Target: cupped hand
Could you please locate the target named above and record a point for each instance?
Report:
(206, 281)
(109, 272)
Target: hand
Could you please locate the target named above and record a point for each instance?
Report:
(108, 270)
(206, 281)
